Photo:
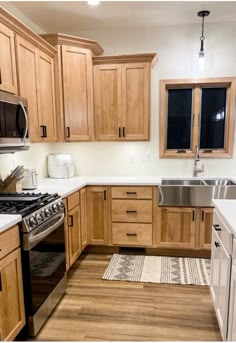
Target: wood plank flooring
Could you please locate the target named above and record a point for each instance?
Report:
(95, 309)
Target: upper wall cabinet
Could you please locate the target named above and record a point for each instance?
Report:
(7, 60)
(28, 59)
(122, 97)
(74, 84)
(197, 112)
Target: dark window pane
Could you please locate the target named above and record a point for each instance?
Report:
(213, 111)
(179, 118)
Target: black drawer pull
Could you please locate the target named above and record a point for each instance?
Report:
(131, 234)
(131, 193)
(217, 227)
(0, 282)
(68, 132)
(217, 244)
(71, 221)
(120, 132)
(131, 211)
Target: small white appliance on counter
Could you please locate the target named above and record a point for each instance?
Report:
(30, 179)
(60, 166)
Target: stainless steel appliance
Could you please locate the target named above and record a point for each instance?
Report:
(14, 128)
(43, 252)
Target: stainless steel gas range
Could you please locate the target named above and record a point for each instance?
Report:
(43, 252)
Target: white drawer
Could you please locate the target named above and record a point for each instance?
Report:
(234, 252)
(223, 232)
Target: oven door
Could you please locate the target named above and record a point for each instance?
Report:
(44, 264)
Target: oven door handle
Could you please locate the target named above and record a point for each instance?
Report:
(33, 240)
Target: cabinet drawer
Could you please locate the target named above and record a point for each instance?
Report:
(72, 201)
(137, 211)
(234, 253)
(132, 234)
(223, 232)
(131, 192)
(9, 240)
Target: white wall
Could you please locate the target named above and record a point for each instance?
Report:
(177, 48)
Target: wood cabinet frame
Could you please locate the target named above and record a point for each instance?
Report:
(196, 85)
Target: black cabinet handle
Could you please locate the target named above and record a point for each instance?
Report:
(68, 132)
(105, 195)
(131, 193)
(217, 244)
(123, 129)
(0, 76)
(203, 216)
(217, 227)
(71, 221)
(43, 131)
(193, 216)
(131, 234)
(0, 282)
(119, 131)
(131, 211)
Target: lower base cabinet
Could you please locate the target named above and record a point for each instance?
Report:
(12, 313)
(232, 308)
(73, 224)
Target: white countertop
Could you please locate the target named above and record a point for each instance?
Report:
(8, 220)
(227, 210)
(65, 187)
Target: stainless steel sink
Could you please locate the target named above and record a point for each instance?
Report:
(181, 192)
(170, 182)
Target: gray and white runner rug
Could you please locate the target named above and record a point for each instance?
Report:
(159, 269)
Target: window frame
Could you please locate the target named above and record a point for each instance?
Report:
(197, 85)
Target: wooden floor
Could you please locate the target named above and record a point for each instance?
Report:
(95, 309)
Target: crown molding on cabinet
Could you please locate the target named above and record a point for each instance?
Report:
(19, 28)
(134, 58)
(63, 39)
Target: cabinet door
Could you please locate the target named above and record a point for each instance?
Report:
(136, 100)
(7, 60)
(206, 228)
(74, 235)
(215, 268)
(78, 93)
(27, 82)
(83, 218)
(107, 102)
(224, 285)
(46, 95)
(12, 313)
(97, 214)
(232, 307)
(178, 228)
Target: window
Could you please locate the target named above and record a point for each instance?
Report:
(197, 112)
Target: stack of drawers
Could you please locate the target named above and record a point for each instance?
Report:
(131, 216)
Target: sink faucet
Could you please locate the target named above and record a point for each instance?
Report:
(197, 170)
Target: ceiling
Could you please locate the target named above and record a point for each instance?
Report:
(75, 16)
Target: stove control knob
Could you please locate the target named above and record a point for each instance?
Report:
(61, 204)
(55, 208)
(32, 221)
(39, 217)
(47, 212)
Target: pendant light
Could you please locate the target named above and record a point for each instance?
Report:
(202, 14)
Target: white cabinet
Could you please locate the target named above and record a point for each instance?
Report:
(232, 302)
(221, 272)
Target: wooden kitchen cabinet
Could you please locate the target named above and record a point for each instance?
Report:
(12, 312)
(98, 216)
(177, 228)
(8, 82)
(122, 97)
(83, 217)
(74, 85)
(206, 221)
(35, 70)
(72, 228)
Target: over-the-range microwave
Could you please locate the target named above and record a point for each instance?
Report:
(14, 127)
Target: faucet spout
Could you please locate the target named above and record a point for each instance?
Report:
(197, 170)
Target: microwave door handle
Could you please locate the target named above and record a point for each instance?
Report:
(26, 122)
(32, 241)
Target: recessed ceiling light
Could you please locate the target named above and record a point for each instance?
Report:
(93, 2)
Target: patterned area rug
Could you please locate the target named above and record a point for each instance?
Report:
(159, 269)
